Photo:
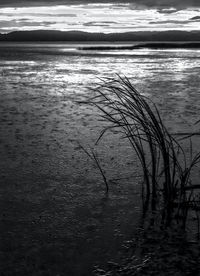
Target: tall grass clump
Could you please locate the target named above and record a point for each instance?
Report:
(167, 173)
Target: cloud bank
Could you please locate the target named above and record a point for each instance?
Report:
(179, 4)
(107, 16)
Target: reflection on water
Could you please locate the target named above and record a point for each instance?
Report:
(159, 73)
(57, 199)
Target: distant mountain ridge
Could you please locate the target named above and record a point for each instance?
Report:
(70, 36)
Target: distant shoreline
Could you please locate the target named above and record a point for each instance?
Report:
(154, 45)
(104, 46)
(80, 36)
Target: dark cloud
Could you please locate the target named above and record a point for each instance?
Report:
(49, 15)
(179, 4)
(167, 11)
(99, 23)
(195, 18)
(170, 22)
(20, 23)
(163, 4)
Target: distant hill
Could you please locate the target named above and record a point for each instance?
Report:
(43, 35)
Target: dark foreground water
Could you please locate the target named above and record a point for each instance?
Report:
(55, 216)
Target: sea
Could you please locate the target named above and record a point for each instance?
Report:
(57, 216)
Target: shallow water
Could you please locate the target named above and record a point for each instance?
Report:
(55, 213)
(169, 76)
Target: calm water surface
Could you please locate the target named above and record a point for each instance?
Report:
(53, 201)
(170, 75)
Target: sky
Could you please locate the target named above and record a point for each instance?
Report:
(99, 16)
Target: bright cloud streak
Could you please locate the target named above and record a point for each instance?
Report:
(97, 18)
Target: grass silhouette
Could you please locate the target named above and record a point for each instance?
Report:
(166, 169)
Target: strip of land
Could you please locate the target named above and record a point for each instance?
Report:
(77, 36)
(163, 45)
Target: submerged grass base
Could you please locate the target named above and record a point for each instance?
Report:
(156, 252)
